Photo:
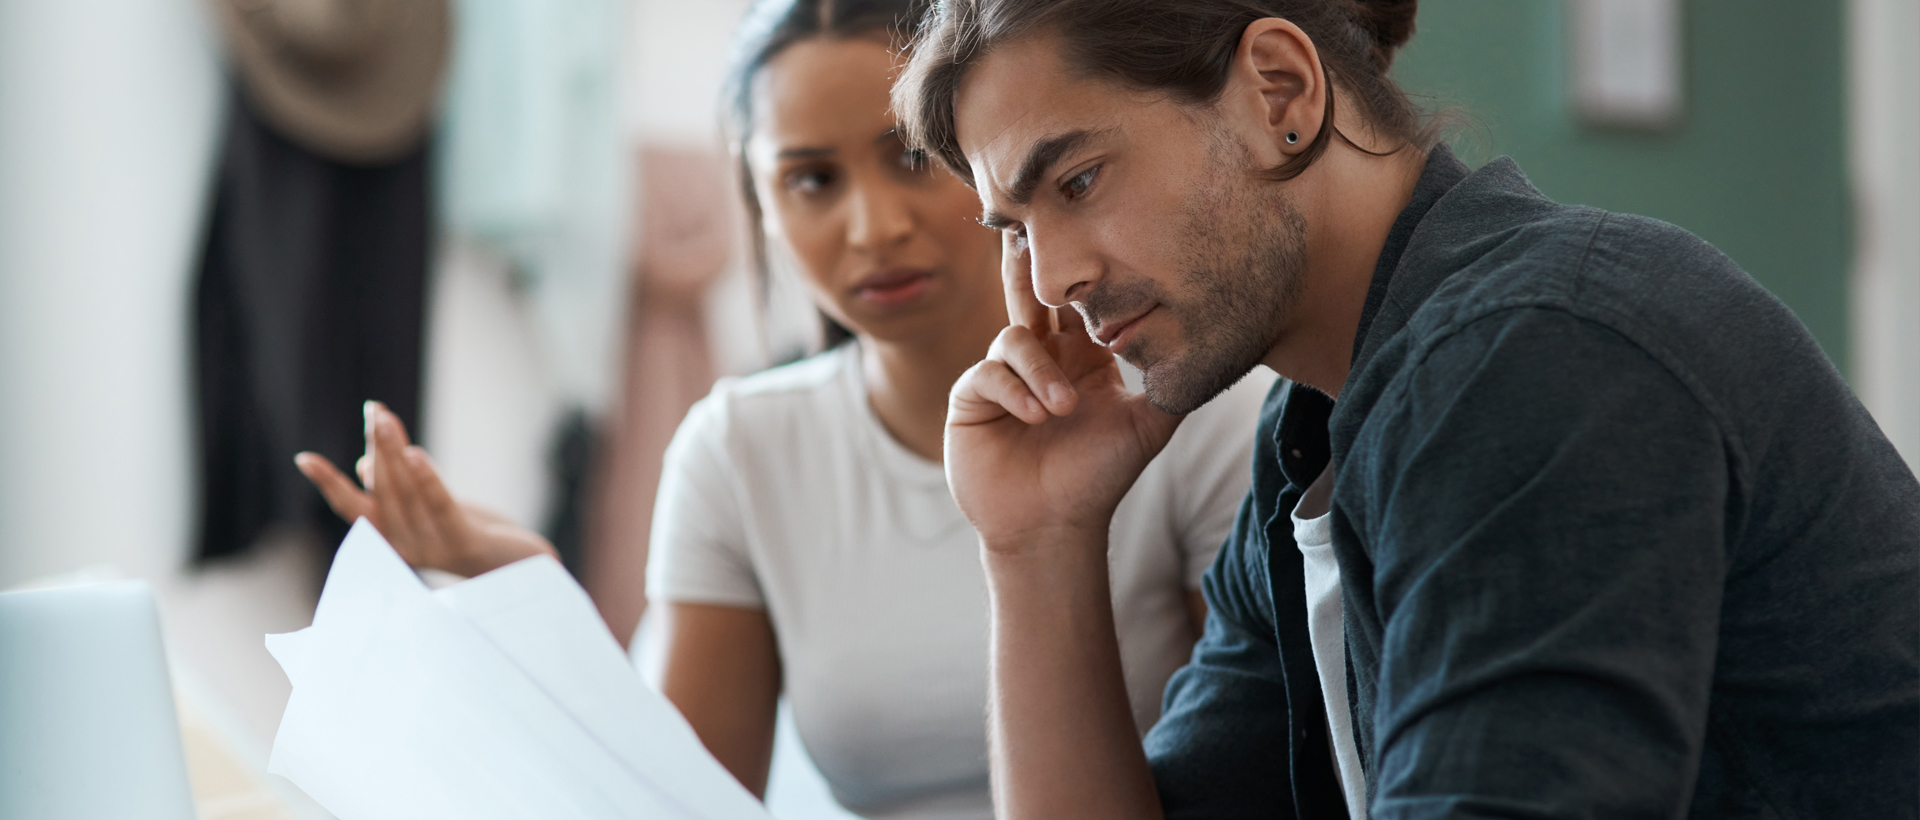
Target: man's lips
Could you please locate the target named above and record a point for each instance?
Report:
(1114, 336)
(893, 286)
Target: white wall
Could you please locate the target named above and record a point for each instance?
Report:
(110, 112)
(1884, 82)
(490, 406)
(680, 57)
(108, 117)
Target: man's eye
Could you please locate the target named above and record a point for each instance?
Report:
(1079, 183)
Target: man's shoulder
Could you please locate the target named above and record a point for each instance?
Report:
(1600, 265)
(1496, 264)
(1575, 302)
(1671, 298)
(1494, 242)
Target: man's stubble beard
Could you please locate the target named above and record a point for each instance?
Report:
(1242, 273)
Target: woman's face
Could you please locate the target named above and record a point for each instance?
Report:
(889, 245)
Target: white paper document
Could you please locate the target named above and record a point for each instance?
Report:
(503, 696)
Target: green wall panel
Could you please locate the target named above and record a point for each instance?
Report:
(1757, 166)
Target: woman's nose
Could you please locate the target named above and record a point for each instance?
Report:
(879, 219)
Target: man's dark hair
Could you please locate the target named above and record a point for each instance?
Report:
(1180, 47)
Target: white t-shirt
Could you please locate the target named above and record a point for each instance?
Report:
(1313, 532)
(782, 491)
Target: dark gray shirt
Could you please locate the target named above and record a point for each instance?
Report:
(1615, 540)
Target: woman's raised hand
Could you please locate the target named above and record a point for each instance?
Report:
(1043, 437)
(406, 501)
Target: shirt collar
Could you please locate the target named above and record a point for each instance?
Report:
(1300, 432)
(1443, 171)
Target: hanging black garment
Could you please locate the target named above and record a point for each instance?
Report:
(310, 301)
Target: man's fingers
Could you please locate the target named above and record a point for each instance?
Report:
(990, 391)
(1016, 273)
(1020, 348)
(1062, 326)
(347, 500)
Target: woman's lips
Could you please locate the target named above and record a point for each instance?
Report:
(894, 287)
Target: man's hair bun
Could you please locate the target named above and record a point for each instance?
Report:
(1388, 22)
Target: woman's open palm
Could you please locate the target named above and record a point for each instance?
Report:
(410, 506)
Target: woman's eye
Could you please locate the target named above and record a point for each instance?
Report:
(1079, 183)
(913, 159)
(808, 182)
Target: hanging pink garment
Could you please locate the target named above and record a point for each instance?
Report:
(686, 238)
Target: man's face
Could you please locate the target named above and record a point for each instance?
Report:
(1146, 215)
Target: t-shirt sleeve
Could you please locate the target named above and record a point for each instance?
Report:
(697, 552)
(1214, 468)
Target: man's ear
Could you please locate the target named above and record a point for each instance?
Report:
(1276, 91)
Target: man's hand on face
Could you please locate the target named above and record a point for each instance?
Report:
(1043, 437)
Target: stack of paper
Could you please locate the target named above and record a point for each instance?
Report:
(503, 696)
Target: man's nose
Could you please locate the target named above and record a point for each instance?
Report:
(1064, 268)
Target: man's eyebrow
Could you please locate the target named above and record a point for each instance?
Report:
(1040, 157)
(996, 220)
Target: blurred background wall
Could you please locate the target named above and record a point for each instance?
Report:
(1883, 94)
(1756, 164)
(108, 114)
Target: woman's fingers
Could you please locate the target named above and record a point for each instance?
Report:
(442, 522)
(392, 487)
(347, 500)
(399, 427)
(436, 502)
(1024, 354)
(376, 415)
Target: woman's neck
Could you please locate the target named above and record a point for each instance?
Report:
(908, 381)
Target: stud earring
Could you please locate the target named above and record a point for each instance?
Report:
(1293, 137)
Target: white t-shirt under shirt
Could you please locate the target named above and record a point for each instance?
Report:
(1313, 532)
(782, 491)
